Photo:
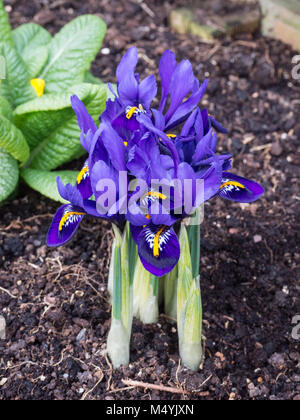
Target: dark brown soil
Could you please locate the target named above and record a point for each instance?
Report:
(55, 303)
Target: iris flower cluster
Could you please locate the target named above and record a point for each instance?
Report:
(175, 142)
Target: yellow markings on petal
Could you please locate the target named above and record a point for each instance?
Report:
(125, 143)
(232, 183)
(148, 216)
(66, 216)
(172, 136)
(156, 241)
(39, 86)
(131, 112)
(157, 195)
(81, 174)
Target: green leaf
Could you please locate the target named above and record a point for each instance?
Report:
(9, 175)
(5, 29)
(31, 42)
(27, 38)
(90, 78)
(45, 182)
(5, 109)
(16, 87)
(72, 51)
(13, 141)
(50, 125)
(36, 60)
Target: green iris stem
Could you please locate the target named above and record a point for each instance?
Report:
(170, 293)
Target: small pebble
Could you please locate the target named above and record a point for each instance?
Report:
(81, 336)
(257, 239)
(105, 51)
(276, 149)
(3, 381)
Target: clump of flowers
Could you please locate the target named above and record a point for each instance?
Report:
(150, 171)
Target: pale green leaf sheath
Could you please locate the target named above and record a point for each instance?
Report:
(72, 51)
(13, 141)
(118, 341)
(50, 125)
(5, 29)
(45, 182)
(145, 295)
(189, 305)
(9, 175)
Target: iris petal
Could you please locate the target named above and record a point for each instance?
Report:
(85, 121)
(147, 91)
(159, 249)
(241, 190)
(167, 67)
(64, 225)
(84, 182)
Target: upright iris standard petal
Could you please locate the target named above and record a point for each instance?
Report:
(186, 107)
(158, 248)
(128, 90)
(182, 83)
(127, 64)
(85, 121)
(241, 190)
(64, 225)
(167, 67)
(147, 91)
(115, 147)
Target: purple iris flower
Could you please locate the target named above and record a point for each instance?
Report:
(197, 145)
(132, 98)
(172, 144)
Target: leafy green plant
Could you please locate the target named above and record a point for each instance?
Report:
(38, 128)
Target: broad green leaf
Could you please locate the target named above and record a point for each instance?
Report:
(90, 78)
(28, 37)
(5, 109)
(9, 175)
(5, 29)
(72, 51)
(50, 125)
(45, 182)
(16, 87)
(35, 61)
(13, 141)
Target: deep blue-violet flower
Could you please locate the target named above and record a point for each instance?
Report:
(138, 143)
